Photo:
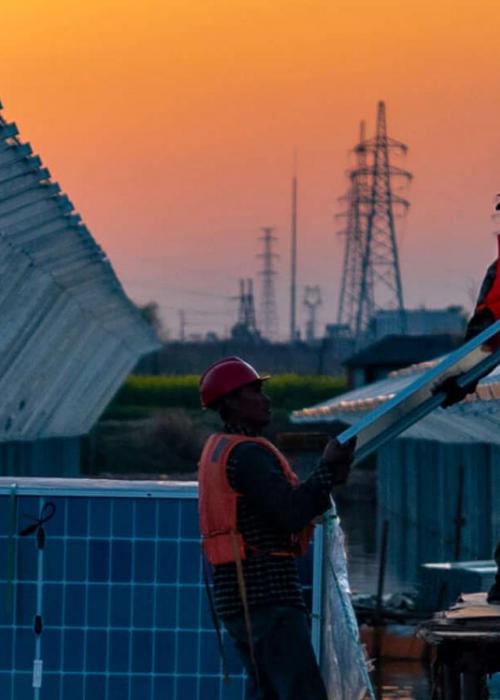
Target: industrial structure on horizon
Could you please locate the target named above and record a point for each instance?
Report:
(371, 277)
(371, 303)
(269, 314)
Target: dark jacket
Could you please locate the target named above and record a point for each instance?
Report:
(269, 508)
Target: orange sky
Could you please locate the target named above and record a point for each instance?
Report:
(171, 125)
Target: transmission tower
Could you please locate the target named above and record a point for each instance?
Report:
(372, 278)
(312, 300)
(269, 314)
(355, 237)
(381, 286)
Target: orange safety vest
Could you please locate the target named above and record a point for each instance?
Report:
(222, 542)
(491, 300)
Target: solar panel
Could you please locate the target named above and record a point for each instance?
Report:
(119, 588)
(468, 363)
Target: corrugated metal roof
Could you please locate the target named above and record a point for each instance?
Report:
(69, 334)
(476, 419)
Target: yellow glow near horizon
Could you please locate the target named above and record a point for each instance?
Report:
(178, 118)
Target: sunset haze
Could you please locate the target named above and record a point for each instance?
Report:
(172, 126)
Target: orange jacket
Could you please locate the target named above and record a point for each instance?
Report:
(222, 542)
(491, 299)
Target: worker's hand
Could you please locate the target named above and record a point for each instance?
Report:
(340, 457)
(454, 393)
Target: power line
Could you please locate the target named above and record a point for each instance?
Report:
(167, 288)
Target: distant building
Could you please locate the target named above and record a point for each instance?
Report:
(243, 333)
(337, 331)
(193, 357)
(339, 337)
(450, 321)
(395, 352)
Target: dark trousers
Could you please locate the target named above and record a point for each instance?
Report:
(285, 661)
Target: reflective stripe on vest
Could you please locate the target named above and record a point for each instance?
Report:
(218, 501)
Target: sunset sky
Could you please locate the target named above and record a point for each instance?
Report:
(171, 124)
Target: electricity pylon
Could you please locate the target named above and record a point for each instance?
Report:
(355, 237)
(371, 279)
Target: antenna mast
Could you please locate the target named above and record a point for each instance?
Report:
(293, 275)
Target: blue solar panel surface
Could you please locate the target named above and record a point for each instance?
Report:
(120, 591)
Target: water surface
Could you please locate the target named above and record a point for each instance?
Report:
(406, 680)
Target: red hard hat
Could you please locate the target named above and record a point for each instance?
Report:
(225, 376)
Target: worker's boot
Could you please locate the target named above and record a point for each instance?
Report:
(494, 593)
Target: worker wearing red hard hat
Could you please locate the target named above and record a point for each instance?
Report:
(487, 311)
(255, 520)
(225, 376)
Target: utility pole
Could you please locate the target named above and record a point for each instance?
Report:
(269, 314)
(293, 256)
(242, 303)
(250, 307)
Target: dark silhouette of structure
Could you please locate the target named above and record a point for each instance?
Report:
(393, 352)
(371, 279)
(246, 308)
(312, 300)
(182, 325)
(355, 237)
(293, 261)
(245, 328)
(269, 314)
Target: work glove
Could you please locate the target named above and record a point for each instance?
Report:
(454, 393)
(339, 457)
(494, 592)
(493, 597)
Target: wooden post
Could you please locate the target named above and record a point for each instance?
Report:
(382, 568)
(379, 603)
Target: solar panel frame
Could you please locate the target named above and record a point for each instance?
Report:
(122, 585)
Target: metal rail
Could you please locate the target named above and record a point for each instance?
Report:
(467, 364)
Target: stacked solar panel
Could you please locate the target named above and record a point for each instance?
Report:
(120, 591)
